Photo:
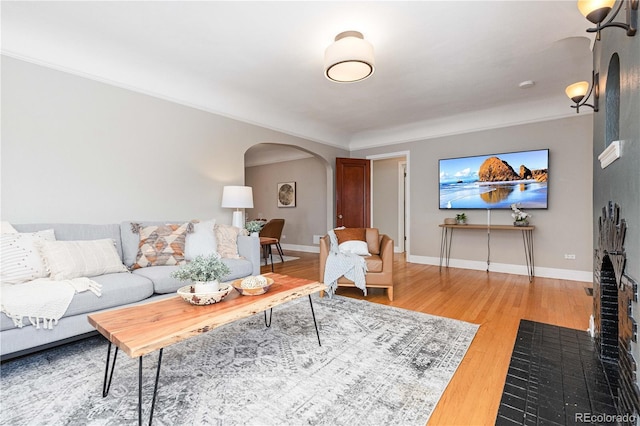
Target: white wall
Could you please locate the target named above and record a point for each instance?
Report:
(77, 150)
(564, 228)
(385, 196)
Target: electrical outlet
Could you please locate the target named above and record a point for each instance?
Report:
(570, 256)
(316, 239)
(283, 237)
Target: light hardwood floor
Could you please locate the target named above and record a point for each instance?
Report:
(496, 301)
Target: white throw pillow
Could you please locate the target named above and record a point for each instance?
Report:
(21, 259)
(202, 241)
(355, 247)
(7, 228)
(73, 259)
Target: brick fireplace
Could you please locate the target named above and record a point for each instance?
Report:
(614, 292)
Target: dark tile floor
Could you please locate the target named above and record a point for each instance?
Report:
(555, 378)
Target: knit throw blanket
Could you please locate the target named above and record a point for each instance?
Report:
(43, 300)
(352, 266)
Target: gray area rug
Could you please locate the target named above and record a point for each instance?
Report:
(377, 365)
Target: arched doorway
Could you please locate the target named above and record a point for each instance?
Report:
(269, 164)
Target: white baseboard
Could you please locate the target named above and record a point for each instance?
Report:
(295, 247)
(316, 249)
(562, 274)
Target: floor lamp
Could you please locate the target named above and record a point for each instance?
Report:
(237, 197)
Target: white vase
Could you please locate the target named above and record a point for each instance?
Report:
(206, 286)
(255, 234)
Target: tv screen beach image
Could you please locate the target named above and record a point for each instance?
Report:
(495, 181)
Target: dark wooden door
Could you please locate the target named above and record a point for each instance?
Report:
(353, 192)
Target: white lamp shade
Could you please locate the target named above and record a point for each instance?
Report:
(595, 10)
(349, 58)
(237, 197)
(577, 91)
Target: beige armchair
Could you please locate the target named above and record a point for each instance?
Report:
(379, 264)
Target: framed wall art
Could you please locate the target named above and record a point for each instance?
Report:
(287, 194)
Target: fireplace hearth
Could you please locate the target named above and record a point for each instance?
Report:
(614, 292)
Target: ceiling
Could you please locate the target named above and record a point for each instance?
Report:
(442, 67)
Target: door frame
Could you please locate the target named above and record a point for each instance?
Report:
(407, 201)
(402, 209)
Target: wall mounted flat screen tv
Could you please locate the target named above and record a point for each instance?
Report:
(495, 181)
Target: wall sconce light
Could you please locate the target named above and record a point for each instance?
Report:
(577, 92)
(597, 10)
(237, 197)
(349, 58)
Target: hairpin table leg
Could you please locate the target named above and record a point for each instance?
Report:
(268, 324)
(155, 389)
(314, 321)
(106, 385)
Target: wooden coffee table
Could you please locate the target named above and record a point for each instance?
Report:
(142, 329)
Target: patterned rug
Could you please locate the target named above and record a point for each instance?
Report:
(377, 365)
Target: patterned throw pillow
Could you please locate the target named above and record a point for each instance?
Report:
(227, 237)
(161, 244)
(21, 259)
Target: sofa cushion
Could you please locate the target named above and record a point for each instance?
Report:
(117, 290)
(161, 244)
(240, 268)
(21, 259)
(161, 278)
(374, 264)
(72, 259)
(227, 240)
(164, 283)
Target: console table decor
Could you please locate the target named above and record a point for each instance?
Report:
(527, 238)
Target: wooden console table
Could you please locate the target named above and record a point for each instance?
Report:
(527, 238)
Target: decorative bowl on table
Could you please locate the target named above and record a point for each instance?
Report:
(189, 294)
(253, 286)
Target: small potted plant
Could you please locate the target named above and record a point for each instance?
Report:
(205, 272)
(254, 227)
(461, 218)
(521, 218)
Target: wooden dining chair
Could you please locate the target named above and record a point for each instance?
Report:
(271, 234)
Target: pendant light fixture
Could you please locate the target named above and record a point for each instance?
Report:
(349, 58)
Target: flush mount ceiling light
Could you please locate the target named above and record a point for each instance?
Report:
(349, 58)
(577, 92)
(597, 10)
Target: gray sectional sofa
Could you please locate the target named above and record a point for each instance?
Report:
(118, 289)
